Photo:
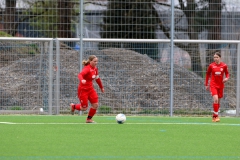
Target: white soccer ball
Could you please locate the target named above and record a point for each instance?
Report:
(121, 118)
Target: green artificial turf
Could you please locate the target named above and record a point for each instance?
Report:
(69, 137)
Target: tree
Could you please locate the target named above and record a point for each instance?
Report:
(51, 18)
(195, 13)
(131, 19)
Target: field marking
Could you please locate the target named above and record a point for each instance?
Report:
(213, 124)
(7, 123)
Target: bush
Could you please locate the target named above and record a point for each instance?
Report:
(4, 34)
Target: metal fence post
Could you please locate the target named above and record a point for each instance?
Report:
(50, 85)
(172, 60)
(57, 76)
(238, 80)
(81, 39)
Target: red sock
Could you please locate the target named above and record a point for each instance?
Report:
(78, 107)
(218, 107)
(91, 113)
(215, 109)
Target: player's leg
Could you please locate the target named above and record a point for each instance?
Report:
(220, 95)
(83, 105)
(93, 98)
(215, 104)
(91, 113)
(215, 107)
(72, 108)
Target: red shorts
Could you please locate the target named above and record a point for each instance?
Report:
(216, 91)
(87, 94)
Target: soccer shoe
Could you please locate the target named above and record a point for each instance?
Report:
(72, 107)
(215, 119)
(90, 121)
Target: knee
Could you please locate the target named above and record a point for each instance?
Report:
(84, 107)
(215, 101)
(95, 105)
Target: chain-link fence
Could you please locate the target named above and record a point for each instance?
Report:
(26, 74)
(40, 73)
(127, 19)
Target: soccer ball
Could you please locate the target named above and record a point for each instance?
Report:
(121, 118)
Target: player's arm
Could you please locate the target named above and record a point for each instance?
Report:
(208, 74)
(226, 74)
(99, 82)
(82, 74)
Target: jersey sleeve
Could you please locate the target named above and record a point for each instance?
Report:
(208, 74)
(98, 80)
(82, 73)
(226, 72)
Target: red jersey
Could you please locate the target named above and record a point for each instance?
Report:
(89, 74)
(216, 72)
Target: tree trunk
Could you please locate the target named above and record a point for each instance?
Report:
(214, 28)
(193, 49)
(64, 13)
(9, 17)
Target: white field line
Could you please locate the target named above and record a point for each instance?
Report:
(7, 123)
(213, 124)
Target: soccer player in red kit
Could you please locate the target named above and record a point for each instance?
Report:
(216, 71)
(86, 90)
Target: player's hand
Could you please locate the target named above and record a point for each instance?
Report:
(102, 89)
(225, 80)
(83, 81)
(207, 87)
